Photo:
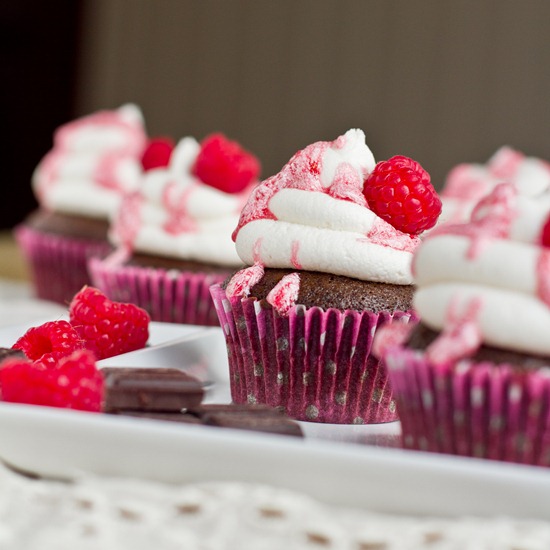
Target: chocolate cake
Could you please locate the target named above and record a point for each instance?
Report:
(163, 262)
(78, 227)
(326, 291)
(422, 336)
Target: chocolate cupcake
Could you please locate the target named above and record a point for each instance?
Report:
(78, 184)
(173, 236)
(326, 270)
(474, 377)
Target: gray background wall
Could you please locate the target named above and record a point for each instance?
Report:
(442, 81)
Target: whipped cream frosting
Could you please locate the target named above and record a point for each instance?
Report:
(94, 160)
(174, 214)
(313, 216)
(488, 281)
(466, 184)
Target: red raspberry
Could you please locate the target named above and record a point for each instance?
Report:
(399, 191)
(157, 153)
(225, 165)
(545, 235)
(49, 342)
(108, 328)
(72, 383)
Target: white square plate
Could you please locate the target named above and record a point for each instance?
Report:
(325, 465)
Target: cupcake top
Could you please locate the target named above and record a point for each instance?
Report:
(488, 281)
(94, 160)
(466, 184)
(187, 208)
(329, 210)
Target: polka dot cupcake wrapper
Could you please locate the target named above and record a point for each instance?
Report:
(168, 296)
(472, 409)
(58, 264)
(315, 365)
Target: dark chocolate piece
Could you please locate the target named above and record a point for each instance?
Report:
(336, 291)
(275, 423)
(234, 408)
(150, 389)
(168, 416)
(261, 418)
(7, 353)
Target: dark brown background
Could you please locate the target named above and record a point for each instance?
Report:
(439, 80)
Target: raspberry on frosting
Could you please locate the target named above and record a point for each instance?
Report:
(225, 165)
(399, 191)
(157, 153)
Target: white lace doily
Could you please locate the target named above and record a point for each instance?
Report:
(116, 514)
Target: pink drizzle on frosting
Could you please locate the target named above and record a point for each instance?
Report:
(128, 220)
(466, 183)
(505, 163)
(390, 335)
(384, 234)
(491, 219)
(302, 171)
(543, 276)
(242, 282)
(461, 336)
(256, 251)
(284, 294)
(294, 255)
(175, 200)
(134, 138)
(347, 184)
(130, 145)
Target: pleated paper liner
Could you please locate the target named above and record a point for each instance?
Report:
(58, 264)
(485, 410)
(169, 296)
(315, 365)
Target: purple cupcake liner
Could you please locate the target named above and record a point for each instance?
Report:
(315, 365)
(58, 264)
(168, 296)
(484, 410)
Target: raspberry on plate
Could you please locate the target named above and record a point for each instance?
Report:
(108, 328)
(49, 342)
(74, 382)
(399, 191)
(225, 165)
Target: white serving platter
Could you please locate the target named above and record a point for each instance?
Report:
(327, 464)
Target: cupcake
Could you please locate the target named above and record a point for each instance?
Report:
(78, 184)
(473, 377)
(326, 269)
(467, 184)
(173, 235)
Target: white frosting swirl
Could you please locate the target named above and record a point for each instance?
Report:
(174, 214)
(313, 216)
(94, 161)
(466, 184)
(496, 261)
